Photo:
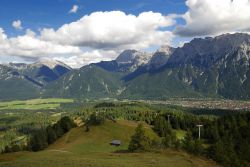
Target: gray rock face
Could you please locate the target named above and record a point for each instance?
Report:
(126, 57)
(39, 73)
(133, 58)
(206, 52)
(50, 63)
(161, 56)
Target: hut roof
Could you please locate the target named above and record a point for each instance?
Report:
(116, 142)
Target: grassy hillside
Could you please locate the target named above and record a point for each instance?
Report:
(80, 148)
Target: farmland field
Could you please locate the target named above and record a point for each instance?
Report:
(34, 104)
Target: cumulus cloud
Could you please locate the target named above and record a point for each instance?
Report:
(213, 17)
(30, 46)
(74, 9)
(95, 37)
(88, 57)
(113, 30)
(17, 24)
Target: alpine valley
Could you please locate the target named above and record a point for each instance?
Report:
(205, 67)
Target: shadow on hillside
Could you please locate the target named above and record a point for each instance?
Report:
(121, 151)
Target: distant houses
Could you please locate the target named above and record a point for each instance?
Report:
(115, 143)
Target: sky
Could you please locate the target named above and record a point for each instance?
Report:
(79, 32)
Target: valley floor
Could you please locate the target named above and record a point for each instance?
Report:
(92, 149)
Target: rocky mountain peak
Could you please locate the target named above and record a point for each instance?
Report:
(17, 65)
(207, 51)
(133, 58)
(166, 49)
(50, 63)
(127, 56)
(161, 56)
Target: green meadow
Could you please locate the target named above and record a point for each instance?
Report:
(34, 104)
(92, 149)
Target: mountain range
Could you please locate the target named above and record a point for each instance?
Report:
(205, 67)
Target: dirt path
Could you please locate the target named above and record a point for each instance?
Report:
(62, 151)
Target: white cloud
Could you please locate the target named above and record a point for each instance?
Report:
(74, 9)
(113, 30)
(17, 24)
(88, 57)
(213, 17)
(3, 36)
(30, 46)
(93, 38)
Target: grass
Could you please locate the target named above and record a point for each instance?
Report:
(92, 149)
(34, 104)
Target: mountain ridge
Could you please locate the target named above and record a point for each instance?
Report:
(204, 67)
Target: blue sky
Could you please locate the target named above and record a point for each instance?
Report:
(34, 29)
(36, 14)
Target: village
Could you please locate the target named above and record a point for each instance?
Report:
(205, 103)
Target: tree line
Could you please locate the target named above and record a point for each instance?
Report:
(41, 138)
(225, 140)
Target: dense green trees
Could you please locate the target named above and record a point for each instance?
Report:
(128, 111)
(51, 135)
(41, 138)
(161, 126)
(226, 139)
(96, 118)
(231, 146)
(104, 104)
(66, 124)
(164, 130)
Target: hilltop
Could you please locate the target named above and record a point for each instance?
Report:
(81, 148)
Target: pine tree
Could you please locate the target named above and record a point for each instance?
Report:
(169, 140)
(51, 135)
(139, 141)
(58, 129)
(188, 142)
(39, 140)
(66, 124)
(161, 126)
